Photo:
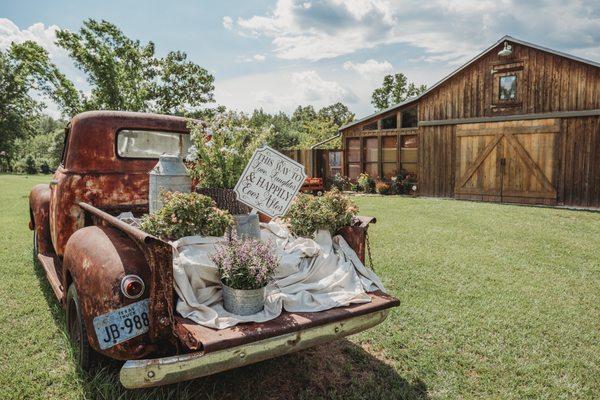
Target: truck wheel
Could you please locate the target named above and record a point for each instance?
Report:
(84, 354)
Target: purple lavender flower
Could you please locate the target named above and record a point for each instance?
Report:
(245, 263)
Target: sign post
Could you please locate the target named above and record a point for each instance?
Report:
(270, 182)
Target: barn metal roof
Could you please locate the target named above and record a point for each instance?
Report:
(456, 71)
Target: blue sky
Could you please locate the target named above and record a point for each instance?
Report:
(282, 53)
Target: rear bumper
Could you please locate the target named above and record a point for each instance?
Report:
(163, 371)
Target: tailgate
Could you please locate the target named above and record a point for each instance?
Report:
(198, 337)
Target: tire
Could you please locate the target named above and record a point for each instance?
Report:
(85, 356)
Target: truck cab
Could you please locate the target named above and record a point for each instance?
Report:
(97, 264)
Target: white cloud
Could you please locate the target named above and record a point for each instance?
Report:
(448, 31)
(227, 22)
(254, 58)
(279, 91)
(370, 69)
(312, 88)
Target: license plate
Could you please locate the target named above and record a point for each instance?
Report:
(123, 324)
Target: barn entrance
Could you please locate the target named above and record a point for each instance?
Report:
(513, 161)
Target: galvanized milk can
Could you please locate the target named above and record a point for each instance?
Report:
(170, 175)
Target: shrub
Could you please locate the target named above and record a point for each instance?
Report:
(221, 149)
(340, 182)
(30, 167)
(404, 182)
(331, 211)
(366, 183)
(186, 214)
(245, 263)
(383, 187)
(45, 167)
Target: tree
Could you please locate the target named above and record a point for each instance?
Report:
(338, 114)
(26, 69)
(126, 75)
(395, 89)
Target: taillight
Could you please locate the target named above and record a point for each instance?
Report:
(132, 286)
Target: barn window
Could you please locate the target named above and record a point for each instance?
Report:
(371, 156)
(389, 155)
(409, 118)
(370, 127)
(408, 153)
(389, 122)
(508, 87)
(353, 153)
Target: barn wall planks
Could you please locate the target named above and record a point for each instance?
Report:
(436, 160)
(546, 83)
(580, 167)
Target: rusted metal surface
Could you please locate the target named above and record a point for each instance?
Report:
(198, 337)
(162, 371)
(158, 273)
(93, 172)
(356, 235)
(39, 205)
(96, 259)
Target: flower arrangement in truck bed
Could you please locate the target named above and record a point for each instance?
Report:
(246, 266)
(186, 214)
(332, 211)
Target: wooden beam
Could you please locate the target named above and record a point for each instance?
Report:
(502, 118)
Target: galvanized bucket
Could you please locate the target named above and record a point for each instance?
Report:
(247, 226)
(170, 175)
(243, 302)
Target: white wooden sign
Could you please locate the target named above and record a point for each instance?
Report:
(270, 182)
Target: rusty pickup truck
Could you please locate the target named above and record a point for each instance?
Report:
(115, 281)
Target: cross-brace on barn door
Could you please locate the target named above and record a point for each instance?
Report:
(513, 161)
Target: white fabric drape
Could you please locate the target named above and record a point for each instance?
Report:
(313, 275)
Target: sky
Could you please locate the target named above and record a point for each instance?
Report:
(279, 54)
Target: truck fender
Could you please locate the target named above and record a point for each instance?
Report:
(96, 259)
(39, 217)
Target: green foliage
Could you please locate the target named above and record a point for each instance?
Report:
(338, 114)
(395, 89)
(222, 148)
(341, 182)
(282, 135)
(25, 69)
(126, 75)
(45, 146)
(366, 183)
(331, 211)
(186, 214)
(30, 167)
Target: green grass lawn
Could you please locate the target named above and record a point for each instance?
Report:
(497, 302)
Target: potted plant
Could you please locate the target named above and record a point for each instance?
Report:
(186, 214)
(221, 148)
(308, 214)
(245, 267)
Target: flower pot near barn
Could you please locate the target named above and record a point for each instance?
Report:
(243, 302)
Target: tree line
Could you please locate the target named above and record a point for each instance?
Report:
(126, 74)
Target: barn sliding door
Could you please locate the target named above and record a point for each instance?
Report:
(513, 161)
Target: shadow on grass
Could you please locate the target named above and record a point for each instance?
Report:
(338, 370)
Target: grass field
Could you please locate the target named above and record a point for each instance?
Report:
(497, 302)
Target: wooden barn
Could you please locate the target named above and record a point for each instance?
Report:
(518, 123)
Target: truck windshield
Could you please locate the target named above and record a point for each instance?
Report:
(151, 144)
